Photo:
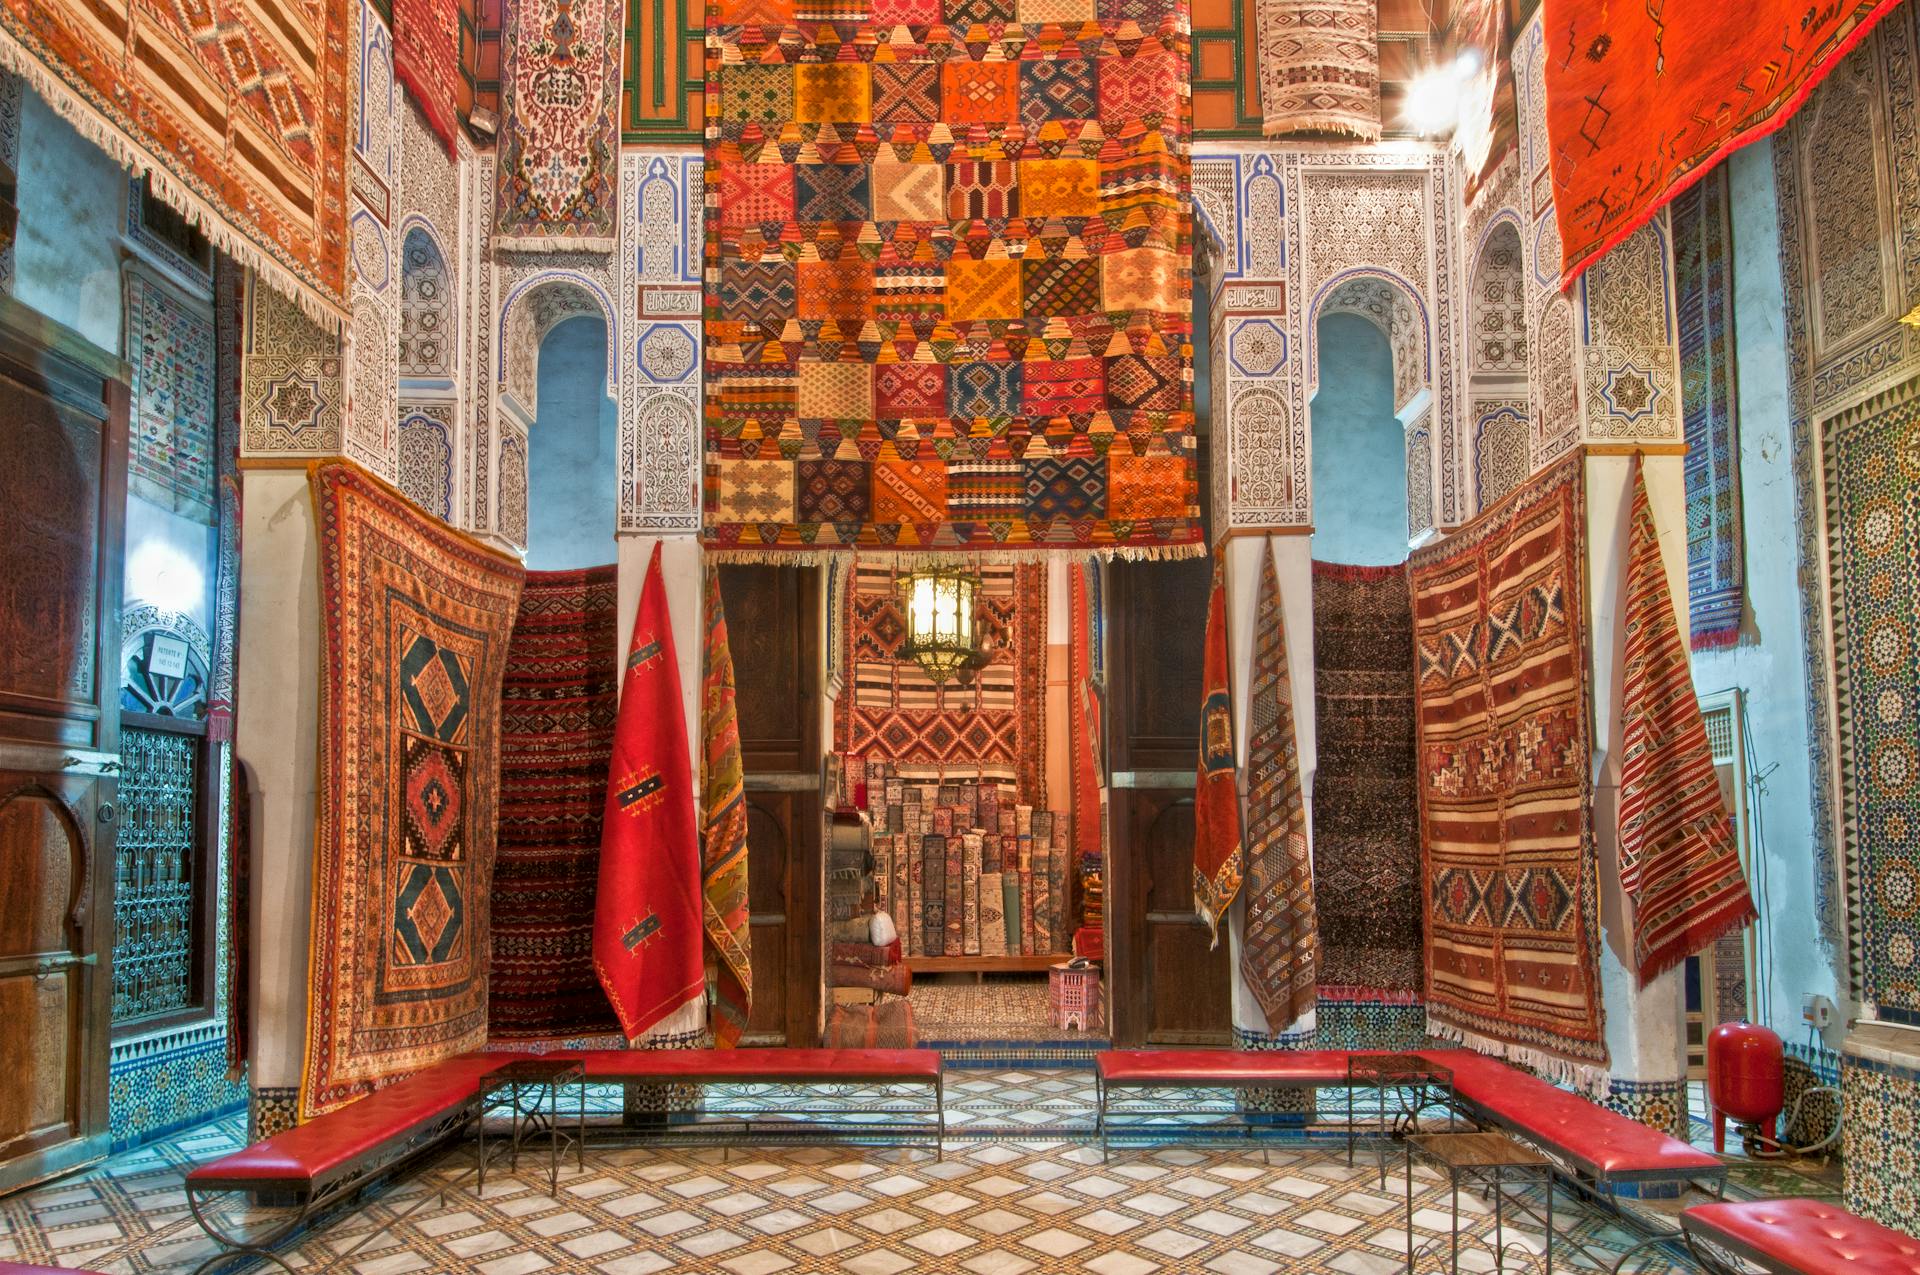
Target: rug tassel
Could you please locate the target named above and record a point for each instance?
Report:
(1585, 1078)
(910, 559)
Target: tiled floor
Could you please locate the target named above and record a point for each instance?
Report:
(1039, 1202)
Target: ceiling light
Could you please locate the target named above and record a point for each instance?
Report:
(1435, 96)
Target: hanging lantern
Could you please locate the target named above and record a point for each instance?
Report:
(938, 602)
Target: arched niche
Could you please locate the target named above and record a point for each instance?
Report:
(1359, 446)
(1370, 377)
(1498, 354)
(572, 450)
(427, 316)
(557, 420)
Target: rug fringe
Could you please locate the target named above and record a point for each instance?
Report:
(602, 244)
(1587, 1078)
(1321, 122)
(912, 559)
(95, 127)
(1367, 995)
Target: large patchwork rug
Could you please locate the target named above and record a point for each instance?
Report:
(237, 107)
(986, 728)
(1503, 727)
(948, 275)
(1366, 800)
(417, 620)
(1643, 99)
(556, 734)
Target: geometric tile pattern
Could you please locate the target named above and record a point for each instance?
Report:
(987, 1208)
(1021, 1191)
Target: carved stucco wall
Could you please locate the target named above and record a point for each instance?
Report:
(661, 196)
(1301, 226)
(1497, 339)
(382, 392)
(1605, 364)
(373, 337)
(1553, 392)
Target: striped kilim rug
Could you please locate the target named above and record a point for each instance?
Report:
(1505, 760)
(1679, 859)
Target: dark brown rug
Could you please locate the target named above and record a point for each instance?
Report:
(1366, 807)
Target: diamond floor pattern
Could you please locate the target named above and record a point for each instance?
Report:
(993, 1206)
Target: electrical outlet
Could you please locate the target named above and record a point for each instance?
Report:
(1817, 1010)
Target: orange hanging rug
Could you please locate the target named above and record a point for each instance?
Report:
(1642, 100)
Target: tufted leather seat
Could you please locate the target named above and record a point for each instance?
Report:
(1604, 1143)
(757, 1065)
(1803, 1237)
(1222, 1066)
(339, 1140)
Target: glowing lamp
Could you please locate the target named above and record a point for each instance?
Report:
(938, 602)
(1436, 95)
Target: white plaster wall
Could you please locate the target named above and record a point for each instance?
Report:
(72, 199)
(1769, 662)
(276, 734)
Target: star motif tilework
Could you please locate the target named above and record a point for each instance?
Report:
(949, 277)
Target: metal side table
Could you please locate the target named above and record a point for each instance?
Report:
(531, 1091)
(1490, 1159)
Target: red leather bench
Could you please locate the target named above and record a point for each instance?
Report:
(316, 1163)
(1799, 1237)
(1224, 1069)
(1603, 1146)
(774, 1066)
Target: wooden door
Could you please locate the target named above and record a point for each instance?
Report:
(773, 626)
(63, 423)
(1169, 985)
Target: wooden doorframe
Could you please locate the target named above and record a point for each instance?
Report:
(1137, 766)
(785, 770)
(61, 744)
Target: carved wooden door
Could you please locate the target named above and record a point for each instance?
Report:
(1168, 985)
(773, 626)
(63, 423)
